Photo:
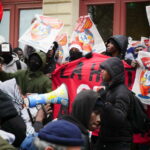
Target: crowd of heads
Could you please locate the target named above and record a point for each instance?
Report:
(88, 108)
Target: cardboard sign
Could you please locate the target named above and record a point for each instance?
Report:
(42, 32)
(87, 36)
(141, 84)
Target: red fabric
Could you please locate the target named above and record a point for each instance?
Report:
(83, 71)
(1, 11)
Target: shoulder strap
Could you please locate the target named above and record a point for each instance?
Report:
(18, 64)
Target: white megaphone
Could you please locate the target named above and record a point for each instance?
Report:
(58, 96)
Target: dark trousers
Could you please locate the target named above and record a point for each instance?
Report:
(113, 146)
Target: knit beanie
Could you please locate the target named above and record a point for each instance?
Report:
(61, 132)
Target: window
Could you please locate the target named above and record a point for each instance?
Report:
(127, 17)
(102, 15)
(4, 25)
(136, 20)
(17, 18)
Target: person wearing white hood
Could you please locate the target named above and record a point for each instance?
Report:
(11, 62)
(75, 52)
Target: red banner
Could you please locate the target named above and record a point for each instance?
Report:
(84, 74)
(1, 11)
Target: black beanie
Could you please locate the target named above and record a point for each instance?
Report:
(7, 109)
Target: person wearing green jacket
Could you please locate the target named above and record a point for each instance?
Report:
(32, 80)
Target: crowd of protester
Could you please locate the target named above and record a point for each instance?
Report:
(35, 128)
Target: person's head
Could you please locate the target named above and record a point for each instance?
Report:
(59, 135)
(117, 45)
(19, 52)
(112, 71)
(37, 61)
(139, 48)
(85, 111)
(75, 52)
(6, 52)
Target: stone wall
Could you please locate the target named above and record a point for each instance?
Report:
(66, 10)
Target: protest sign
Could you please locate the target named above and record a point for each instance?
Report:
(141, 84)
(87, 36)
(42, 32)
(82, 74)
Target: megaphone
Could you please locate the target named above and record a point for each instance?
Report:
(58, 96)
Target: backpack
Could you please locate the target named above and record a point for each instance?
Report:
(138, 118)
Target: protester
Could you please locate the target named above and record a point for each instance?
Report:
(132, 54)
(31, 80)
(115, 132)
(85, 114)
(116, 46)
(75, 52)
(11, 62)
(56, 135)
(19, 52)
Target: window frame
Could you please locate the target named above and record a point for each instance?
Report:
(14, 6)
(119, 19)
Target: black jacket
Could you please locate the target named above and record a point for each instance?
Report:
(121, 41)
(10, 120)
(115, 126)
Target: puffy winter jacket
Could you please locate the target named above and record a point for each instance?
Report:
(115, 126)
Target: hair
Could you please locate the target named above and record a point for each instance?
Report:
(17, 49)
(41, 145)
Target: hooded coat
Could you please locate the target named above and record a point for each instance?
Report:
(12, 65)
(115, 126)
(28, 81)
(121, 41)
(82, 108)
